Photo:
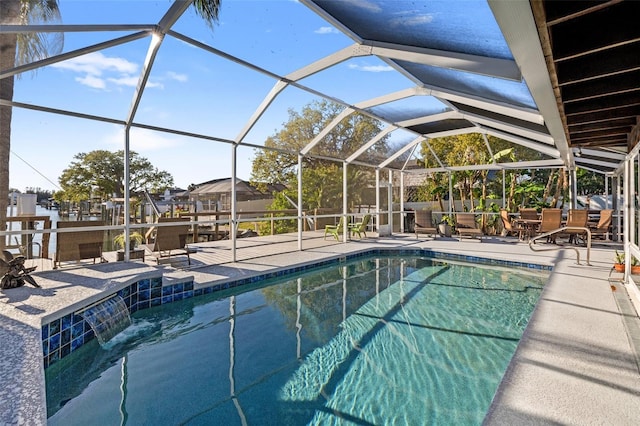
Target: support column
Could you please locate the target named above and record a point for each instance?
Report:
(390, 202)
(606, 192)
(345, 228)
(300, 224)
(573, 189)
(402, 213)
(504, 189)
(450, 195)
(127, 193)
(632, 197)
(377, 199)
(232, 221)
(628, 199)
(617, 184)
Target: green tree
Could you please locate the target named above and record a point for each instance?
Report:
(589, 182)
(525, 187)
(24, 48)
(100, 174)
(41, 194)
(322, 188)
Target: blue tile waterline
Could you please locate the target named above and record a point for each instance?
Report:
(64, 335)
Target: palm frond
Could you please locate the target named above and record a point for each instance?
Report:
(208, 10)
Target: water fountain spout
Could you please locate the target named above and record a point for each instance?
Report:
(107, 318)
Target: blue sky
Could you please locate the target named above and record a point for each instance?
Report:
(189, 89)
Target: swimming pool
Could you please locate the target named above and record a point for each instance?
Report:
(377, 340)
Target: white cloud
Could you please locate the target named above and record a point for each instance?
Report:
(96, 63)
(178, 77)
(97, 70)
(142, 140)
(411, 20)
(124, 81)
(326, 30)
(363, 4)
(92, 81)
(153, 84)
(371, 68)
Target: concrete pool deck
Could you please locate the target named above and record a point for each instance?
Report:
(577, 362)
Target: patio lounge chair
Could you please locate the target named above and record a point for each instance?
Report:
(335, 230)
(360, 227)
(424, 223)
(171, 240)
(466, 225)
(76, 246)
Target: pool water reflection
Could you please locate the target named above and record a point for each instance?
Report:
(380, 340)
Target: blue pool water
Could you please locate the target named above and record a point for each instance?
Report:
(382, 340)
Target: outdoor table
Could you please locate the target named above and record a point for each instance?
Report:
(529, 225)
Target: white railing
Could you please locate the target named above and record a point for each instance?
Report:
(557, 247)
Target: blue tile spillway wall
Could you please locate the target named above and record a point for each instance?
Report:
(65, 335)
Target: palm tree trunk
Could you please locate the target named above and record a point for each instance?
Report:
(547, 188)
(512, 191)
(558, 192)
(9, 11)
(483, 200)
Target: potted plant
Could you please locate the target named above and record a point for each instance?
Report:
(446, 225)
(135, 238)
(619, 263)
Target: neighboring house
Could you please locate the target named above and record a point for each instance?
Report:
(412, 181)
(216, 194)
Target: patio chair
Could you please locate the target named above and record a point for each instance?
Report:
(511, 228)
(172, 240)
(577, 218)
(424, 223)
(550, 220)
(360, 227)
(529, 213)
(80, 245)
(603, 227)
(335, 230)
(466, 225)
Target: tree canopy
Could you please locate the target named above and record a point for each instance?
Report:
(322, 178)
(100, 174)
(524, 187)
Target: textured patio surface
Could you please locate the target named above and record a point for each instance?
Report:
(576, 363)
